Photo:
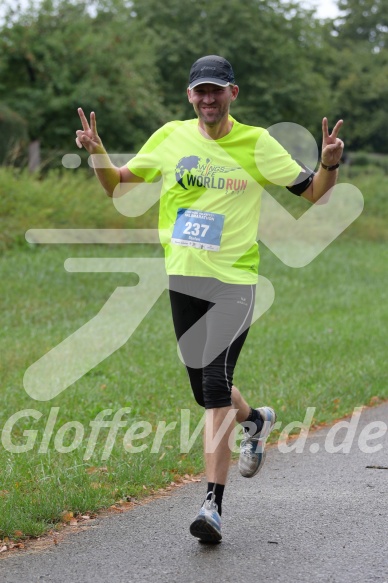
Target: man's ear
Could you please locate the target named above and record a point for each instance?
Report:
(189, 95)
(235, 91)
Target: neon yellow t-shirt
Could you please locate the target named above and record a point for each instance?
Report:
(211, 193)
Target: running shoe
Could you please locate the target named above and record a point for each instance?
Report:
(252, 452)
(207, 525)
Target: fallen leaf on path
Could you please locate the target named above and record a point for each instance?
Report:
(115, 508)
(67, 516)
(374, 400)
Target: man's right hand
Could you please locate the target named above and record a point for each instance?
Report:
(88, 137)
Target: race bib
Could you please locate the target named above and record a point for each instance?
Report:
(198, 229)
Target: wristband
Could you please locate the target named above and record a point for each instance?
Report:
(329, 168)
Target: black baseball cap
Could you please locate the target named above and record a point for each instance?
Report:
(211, 69)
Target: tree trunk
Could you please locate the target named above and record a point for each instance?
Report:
(34, 156)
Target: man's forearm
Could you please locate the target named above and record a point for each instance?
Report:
(323, 181)
(107, 173)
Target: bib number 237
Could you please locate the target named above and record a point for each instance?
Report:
(199, 229)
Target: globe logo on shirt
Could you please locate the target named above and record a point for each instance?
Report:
(207, 174)
(185, 165)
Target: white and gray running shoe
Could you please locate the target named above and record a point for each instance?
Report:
(252, 452)
(207, 525)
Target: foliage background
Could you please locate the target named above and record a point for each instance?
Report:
(129, 61)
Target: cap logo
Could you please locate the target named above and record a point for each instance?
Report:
(211, 68)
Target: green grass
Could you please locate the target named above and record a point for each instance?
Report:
(321, 344)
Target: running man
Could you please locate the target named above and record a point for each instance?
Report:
(214, 169)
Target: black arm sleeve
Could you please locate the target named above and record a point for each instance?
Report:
(303, 181)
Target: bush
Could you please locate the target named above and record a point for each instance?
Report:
(67, 199)
(368, 161)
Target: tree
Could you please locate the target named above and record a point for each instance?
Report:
(129, 61)
(357, 66)
(58, 56)
(13, 136)
(364, 20)
(361, 96)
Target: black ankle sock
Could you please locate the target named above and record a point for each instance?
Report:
(218, 490)
(254, 417)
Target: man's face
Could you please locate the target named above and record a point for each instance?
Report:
(211, 103)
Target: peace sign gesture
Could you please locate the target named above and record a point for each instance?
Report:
(88, 137)
(332, 146)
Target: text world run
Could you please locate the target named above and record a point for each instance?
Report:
(108, 427)
(228, 184)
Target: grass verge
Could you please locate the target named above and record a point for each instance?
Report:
(320, 345)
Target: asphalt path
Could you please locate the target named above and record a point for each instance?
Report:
(310, 516)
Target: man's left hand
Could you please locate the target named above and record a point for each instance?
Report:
(332, 146)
